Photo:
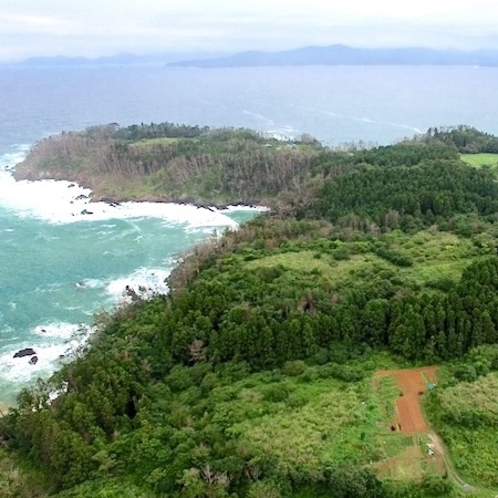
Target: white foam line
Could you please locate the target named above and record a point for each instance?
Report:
(234, 208)
(10, 159)
(372, 121)
(60, 330)
(144, 281)
(59, 201)
(267, 121)
(52, 343)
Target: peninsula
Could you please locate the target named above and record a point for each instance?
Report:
(343, 344)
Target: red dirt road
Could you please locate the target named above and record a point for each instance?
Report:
(412, 384)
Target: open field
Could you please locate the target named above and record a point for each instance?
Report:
(466, 414)
(480, 160)
(411, 461)
(155, 141)
(410, 453)
(330, 421)
(435, 256)
(329, 268)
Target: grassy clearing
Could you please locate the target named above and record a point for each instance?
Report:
(408, 459)
(155, 141)
(394, 444)
(307, 261)
(405, 456)
(387, 391)
(466, 415)
(436, 255)
(480, 160)
(305, 425)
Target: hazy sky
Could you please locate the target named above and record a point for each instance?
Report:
(103, 27)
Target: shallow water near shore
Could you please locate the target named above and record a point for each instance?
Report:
(65, 258)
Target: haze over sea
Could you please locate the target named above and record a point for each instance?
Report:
(59, 267)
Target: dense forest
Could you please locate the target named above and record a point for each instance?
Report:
(465, 139)
(253, 376)
(168, 162)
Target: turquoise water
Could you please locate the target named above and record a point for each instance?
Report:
(58, 267)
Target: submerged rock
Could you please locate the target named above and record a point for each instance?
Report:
(25, 352)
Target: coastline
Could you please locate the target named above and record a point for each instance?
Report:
(69, 201)
(188, 201)
(59, 201)
(94, 196)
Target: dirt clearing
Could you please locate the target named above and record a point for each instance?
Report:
(413, 383)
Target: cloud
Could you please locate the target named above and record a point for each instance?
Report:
(33, 24)
(92, 28)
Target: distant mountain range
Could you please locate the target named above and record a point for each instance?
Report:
(343, 55)
(123, 59)
(329, 55)
(62, 60)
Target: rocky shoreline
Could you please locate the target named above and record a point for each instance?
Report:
(190, 201)
(114, 200)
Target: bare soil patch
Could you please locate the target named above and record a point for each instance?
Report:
(412, 384)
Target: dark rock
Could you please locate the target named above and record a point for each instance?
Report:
(33, 360)
(111, 202)
(25, 352)
(62, 356)
(71, 185)
(202, 205)
(80, 197)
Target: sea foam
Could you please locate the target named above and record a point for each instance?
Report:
(143, 282)
(60, 201)
(52, 342)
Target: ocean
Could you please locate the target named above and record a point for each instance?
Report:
(58, 267)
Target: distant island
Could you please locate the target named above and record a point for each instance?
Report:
(305, 56)
(344, 55)
(121, 59)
